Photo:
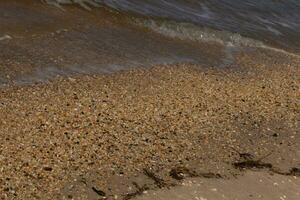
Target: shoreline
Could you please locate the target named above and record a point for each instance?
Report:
(103, 109)
(51, 42)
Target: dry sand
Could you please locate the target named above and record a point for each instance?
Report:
(118, 135)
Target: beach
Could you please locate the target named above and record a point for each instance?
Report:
(98, 108)
(97, 128)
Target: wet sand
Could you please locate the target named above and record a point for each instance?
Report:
(252, 185)
(85, 135)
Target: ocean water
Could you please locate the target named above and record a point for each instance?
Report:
(273, 22)
(42, 39)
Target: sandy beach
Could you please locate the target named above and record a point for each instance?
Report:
(99, 108)
(153, 126)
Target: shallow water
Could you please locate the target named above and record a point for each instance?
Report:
(40, 41)
(274, 22)
(63, 44)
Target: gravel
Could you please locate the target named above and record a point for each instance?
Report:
(93, 128)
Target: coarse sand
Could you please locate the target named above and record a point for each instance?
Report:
(114, 136)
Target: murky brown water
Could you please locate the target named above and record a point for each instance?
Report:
(45, 42)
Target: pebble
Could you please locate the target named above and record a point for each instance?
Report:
(5, 37)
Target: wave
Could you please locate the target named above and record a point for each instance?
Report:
(122, 41)
(86, 4)
(188, 31)
(271, 25)
(193, 32)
